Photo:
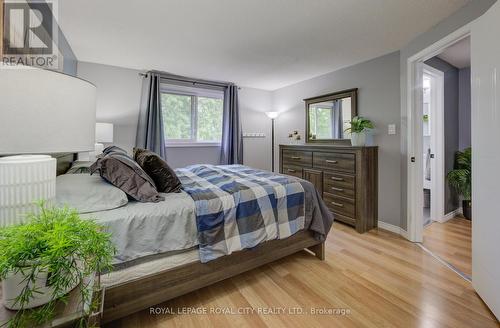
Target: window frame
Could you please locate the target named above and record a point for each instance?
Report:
(194, 93)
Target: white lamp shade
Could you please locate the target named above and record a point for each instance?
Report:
(43, 111)
(25, 180)
(104, 132)
(272, 115)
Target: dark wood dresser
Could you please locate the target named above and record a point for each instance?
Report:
(346, 177)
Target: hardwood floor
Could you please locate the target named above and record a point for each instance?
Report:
(451, 241)
(381, 279)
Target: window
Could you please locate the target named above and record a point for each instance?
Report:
(192, 115)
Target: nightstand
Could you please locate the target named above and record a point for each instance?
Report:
(67, 315)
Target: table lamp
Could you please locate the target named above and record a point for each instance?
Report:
(103, 134)
(41, 112)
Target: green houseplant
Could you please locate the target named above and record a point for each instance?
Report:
(460, 179)
(359, 127)
(45, 258)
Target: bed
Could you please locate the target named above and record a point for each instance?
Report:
(164, 251)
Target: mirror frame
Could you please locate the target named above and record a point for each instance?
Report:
(353, 93)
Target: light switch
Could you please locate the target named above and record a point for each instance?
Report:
(391, 129)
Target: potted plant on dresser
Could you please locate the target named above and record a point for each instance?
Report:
(42, 260)
(359, 127)
(460, 179)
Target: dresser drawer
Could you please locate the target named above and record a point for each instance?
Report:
(343, 218)
(340, 205)
(335, 161)
(343, 192)
(297, 157)
(339, 180)
(295, 171)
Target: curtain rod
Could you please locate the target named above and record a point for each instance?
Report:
(167, 76)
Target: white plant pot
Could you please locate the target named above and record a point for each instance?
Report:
(358, 139)
(13, 285)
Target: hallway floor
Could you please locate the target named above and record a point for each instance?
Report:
(451, 241)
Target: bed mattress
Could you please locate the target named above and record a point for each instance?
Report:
(139, 230)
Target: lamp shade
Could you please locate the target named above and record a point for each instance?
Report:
(43, 111)
(272, 115)
(103, 132)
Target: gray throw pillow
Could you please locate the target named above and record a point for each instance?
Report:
(80, 167)
(164, 177)
(87, 193)
(123, 172)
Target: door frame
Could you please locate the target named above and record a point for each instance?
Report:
(414, 67)
(437, 143)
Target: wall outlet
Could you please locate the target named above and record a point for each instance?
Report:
(391, 129)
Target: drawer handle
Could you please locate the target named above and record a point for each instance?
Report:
(296, 157)
(337, 204)
(337, 179)
(331, 161)
(291, 171)
(337, 189)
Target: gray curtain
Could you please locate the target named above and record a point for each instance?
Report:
(150, 132)
(232, 138)
(337, 120)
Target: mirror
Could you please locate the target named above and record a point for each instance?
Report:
(328, 116)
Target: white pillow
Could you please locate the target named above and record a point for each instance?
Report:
(88, 193)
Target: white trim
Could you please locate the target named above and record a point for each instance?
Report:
(393, 228)
(414, 131)
(449, 216)
(437, 142)
(192, 144)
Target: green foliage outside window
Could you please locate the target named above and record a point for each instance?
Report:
(176, 111)
(209, 119)
(179, 114)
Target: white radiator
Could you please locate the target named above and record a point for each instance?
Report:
(25, 180)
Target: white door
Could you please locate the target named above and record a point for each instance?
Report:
(485, 52)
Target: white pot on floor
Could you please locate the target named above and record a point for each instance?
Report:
(358, 139)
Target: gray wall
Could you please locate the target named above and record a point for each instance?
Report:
(465, 15)
(464, 108)
(379, 100)
(118, 100)
(451, 124)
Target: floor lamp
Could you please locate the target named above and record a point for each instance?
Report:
(272, 116)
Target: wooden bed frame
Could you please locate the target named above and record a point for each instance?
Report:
(139, 294)
(132, 296)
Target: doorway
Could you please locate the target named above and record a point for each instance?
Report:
(440, 94)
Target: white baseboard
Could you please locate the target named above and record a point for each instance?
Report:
(450, 215)
(393, 228)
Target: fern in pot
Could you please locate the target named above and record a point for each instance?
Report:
(460, 179)
(42, 260)
(359, 127)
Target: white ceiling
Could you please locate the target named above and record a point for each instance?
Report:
(457, 54)
(264, 44)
